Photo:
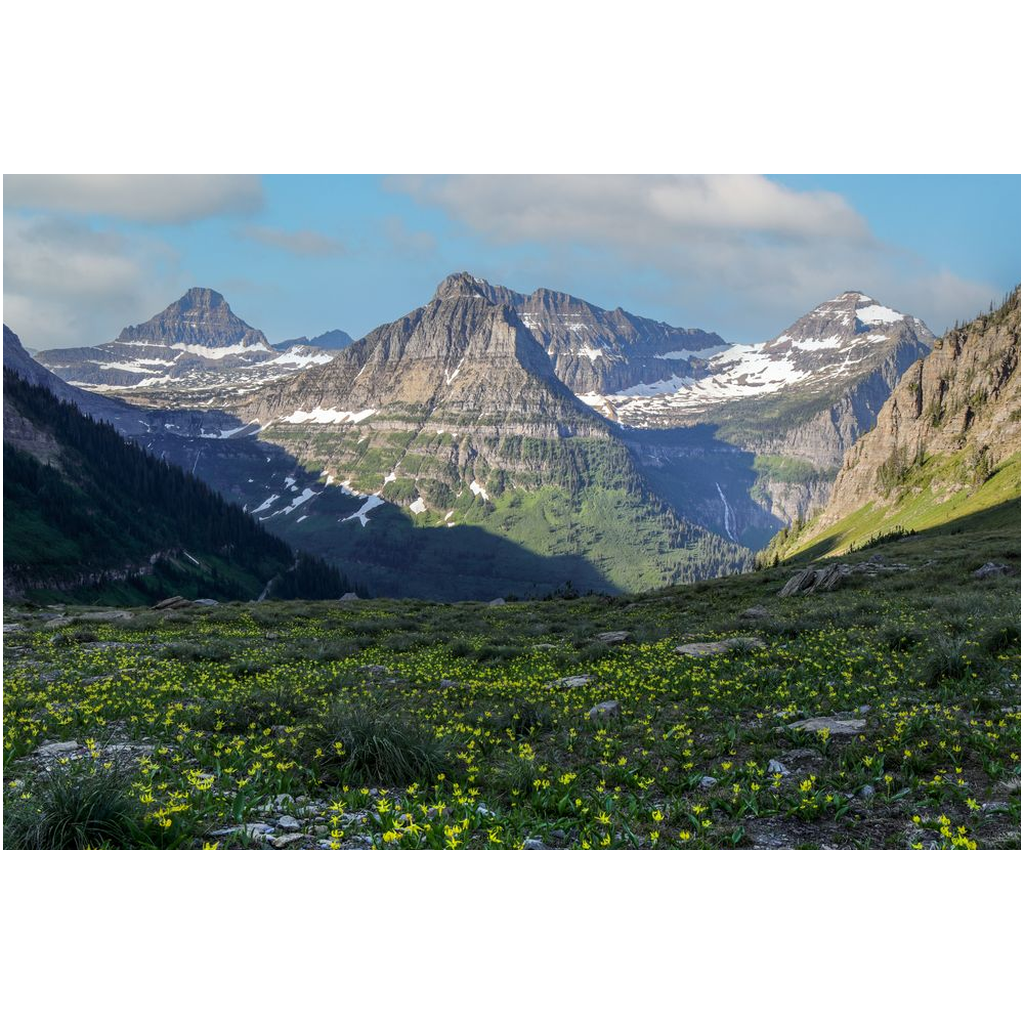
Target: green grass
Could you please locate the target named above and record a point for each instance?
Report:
(405, 724)
(918, 507)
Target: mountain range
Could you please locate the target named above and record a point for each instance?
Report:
(491, 442)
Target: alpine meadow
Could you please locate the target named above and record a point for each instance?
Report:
(372, 520)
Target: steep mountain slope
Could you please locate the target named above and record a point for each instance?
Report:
(455, 415)
(190, 351)
(91, 517)
(946, 444)
(794, 404)
(596, 350)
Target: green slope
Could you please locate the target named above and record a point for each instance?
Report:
(922, 502)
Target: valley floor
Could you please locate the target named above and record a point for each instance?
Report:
(884, 714)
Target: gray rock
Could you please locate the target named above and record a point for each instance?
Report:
(533, 844)
(496, 603)
(836, 726)
(866, 792)
(708, 782)
(283, 842)
(57, 749)
(996, 807)
(811, 581)
(206, 602)
(288, 823)
(107, 616)
(991, 569)
(777, 768)
(756, 612)
(615, 636)
(733, 643)
(61, 620)
(606, 709)
(571, 682)
(350, 596)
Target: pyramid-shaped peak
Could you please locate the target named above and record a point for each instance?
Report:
(200, 317)
(461, 285)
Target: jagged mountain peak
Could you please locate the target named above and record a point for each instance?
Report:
(851, 318)
(461, 285)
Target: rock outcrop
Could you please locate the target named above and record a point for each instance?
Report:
(963, 399)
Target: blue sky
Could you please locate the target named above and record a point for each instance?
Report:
(740, 255)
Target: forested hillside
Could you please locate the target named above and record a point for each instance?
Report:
(90, 515)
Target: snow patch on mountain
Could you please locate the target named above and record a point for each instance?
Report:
(319, 415)
(878, 315)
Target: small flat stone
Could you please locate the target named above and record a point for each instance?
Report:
(734, 643)
(288, 823)
(756, 612)
(57, 749)
(991, 569)
(614, 636)
(533, 844)
(496, 603)
(836, 726)
(571, 682)
(606, 709)
(708, 781)
(283, 842)
(58, 622)
(777, 768)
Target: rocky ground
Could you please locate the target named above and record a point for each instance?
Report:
(873, 703)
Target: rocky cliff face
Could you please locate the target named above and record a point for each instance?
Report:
(459, 361)
(962, 400)
(594, 350)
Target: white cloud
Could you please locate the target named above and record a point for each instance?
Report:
(66, 284)
(633, 209)
(299, 243)
(739, 254)
(148, 198)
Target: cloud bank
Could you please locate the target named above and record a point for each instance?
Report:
(146, 198)
(66, 283)
(743, 253)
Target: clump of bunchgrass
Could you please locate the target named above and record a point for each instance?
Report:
(77, 806)
(378, 743)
